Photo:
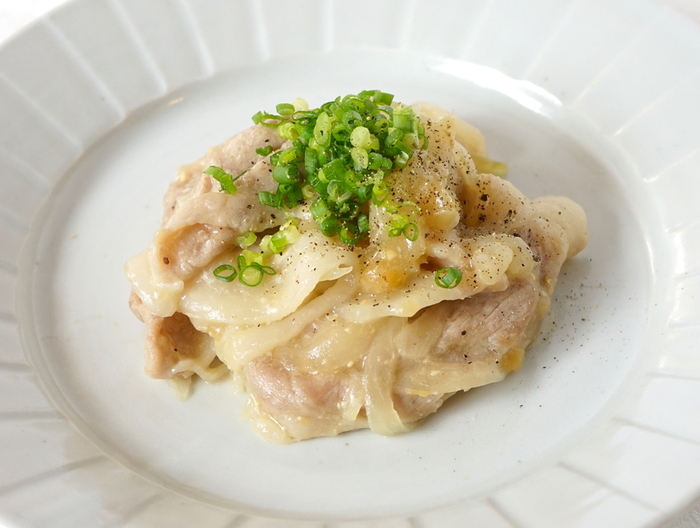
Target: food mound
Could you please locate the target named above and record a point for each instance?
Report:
(348, 266)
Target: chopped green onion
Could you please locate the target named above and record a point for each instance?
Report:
(224, 178)
(319, 209)
(271, 199)
(411, 231)
(339, 157)
(401, 225)
(288, 131)
(404, 118)
(360, 157)
(253, 274)
(258, 118)
(285, 173)
(278, 242)
(251, 270)
(375, 161)
(300, 104)
(247, 239)
(310, 161)
(225, 272)
(401, 159)
(330, 226)
(287, 156)
(251, 264)
(380, 192)
(307, 192)
(381, 98)
(349, 234)
(268, 120)
(363, 223)
(248, 257)
(268, 270)
(264, 151)
(285, 109)
(395, 231)
(448, 277)
(322, 130)
(360, 137)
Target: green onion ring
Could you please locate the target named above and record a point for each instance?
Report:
(411, 231)
(448, 277)
(251, 275)
(225, 273)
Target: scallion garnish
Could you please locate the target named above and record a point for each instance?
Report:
(254, 273)
(225, 272)
(401, 225)
(278, 242)
(264, 151)
(411, 231)
(251, 271)
(226, 180)
(339, 155)
(247, 239)
(448, 277)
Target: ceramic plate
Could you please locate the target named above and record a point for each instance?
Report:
(102, 100)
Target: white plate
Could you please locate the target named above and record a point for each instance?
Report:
(103, 99)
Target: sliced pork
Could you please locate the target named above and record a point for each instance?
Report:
(340, 337)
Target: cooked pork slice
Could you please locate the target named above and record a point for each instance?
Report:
(488, 325)
(412, 408)
(302, 405)
(235, 156)
(448, 347)
(173, 344)
(435, 283)
(240, 211)
(200, 222)
(481, 339)
(181, 254)
(554, 227)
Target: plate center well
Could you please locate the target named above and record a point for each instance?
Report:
(87, 346)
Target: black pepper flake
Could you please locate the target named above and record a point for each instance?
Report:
(166, 260)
